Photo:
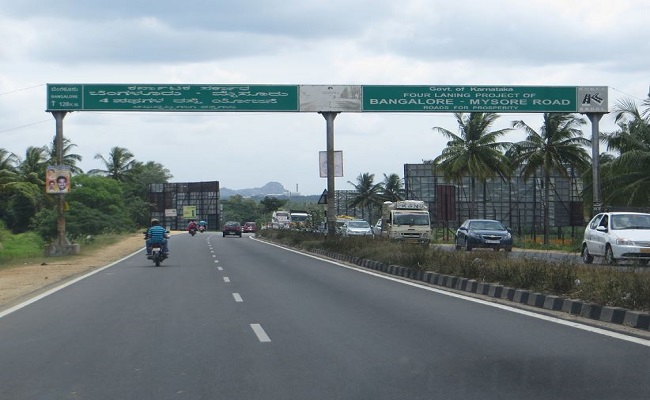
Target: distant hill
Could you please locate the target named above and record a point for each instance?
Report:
(270, 189)
(273, 189)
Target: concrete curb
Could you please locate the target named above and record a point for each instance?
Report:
(614, 315)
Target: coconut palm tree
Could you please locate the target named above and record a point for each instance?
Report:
(8, 160)
(632, 144)
(473, 153)
(117, 165)
(368, 193)
(393, 188)
(557, 146)
(32, 167)
(70, 159)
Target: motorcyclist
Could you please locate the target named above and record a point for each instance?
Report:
(203, 226)
(192, 226)
(157, 234)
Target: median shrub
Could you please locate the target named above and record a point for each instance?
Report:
(626, 287)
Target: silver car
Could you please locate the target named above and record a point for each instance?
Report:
(617, 236)
(356, 228)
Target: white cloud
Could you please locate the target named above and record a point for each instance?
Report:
(415, 42)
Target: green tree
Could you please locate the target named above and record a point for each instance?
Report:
(473, 153)
(628, 181)
(368, 194)
(117, 165)
(271, 203)
(393, 188)
(8, 160)
(96, 205)
(8, 175)
(32, 167)
(70, 159)
(558, 146)
(237, 208)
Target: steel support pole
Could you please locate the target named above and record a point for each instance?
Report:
(595, 160)
(331, 206)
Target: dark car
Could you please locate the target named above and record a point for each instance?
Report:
(483, 233)
(249, 227)
(232, 228)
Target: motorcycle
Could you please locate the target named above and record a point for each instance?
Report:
(157, 255)
(192, 231)
(201, 228)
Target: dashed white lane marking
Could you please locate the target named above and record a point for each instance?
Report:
(214, 255)
(237, 297)
(226, 279)
(220, 268)
(261, 335)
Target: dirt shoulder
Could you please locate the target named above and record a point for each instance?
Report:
(22, 282)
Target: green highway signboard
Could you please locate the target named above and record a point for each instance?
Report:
(498, 99)
(175, 97)
(326, 98)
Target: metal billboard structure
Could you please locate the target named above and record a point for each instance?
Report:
(329, 101)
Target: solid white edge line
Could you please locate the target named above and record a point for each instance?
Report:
(260, 333)
(63, 286)
(559, 321)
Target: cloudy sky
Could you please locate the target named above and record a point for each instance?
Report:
(335, 42)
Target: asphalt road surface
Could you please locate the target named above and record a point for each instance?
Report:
(235, 318)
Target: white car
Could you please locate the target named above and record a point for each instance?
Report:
(617, 236)
(356, 228)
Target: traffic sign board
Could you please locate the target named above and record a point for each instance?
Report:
(500, 99)
(321, 98)
(154, 97)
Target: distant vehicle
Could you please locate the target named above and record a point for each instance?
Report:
(483, 233)
(232, 228)
(406, 220)
(249, 227)
(617, 236)
(280, 219)
(299, 220)
(340, 221)
(357, 227)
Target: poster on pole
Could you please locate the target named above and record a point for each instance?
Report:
(338, 163)
(57, 179)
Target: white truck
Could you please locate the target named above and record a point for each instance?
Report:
(280, 219)
(406, 220)
(299, 220)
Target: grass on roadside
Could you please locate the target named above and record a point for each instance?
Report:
(627, 287)
(29, 248)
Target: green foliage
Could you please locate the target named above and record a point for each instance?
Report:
(270, 204)
(606, 286)
(237, 208)
(23, 199)
(19, 247)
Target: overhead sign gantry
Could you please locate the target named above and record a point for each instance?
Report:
(329, 101)
(323, 98)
